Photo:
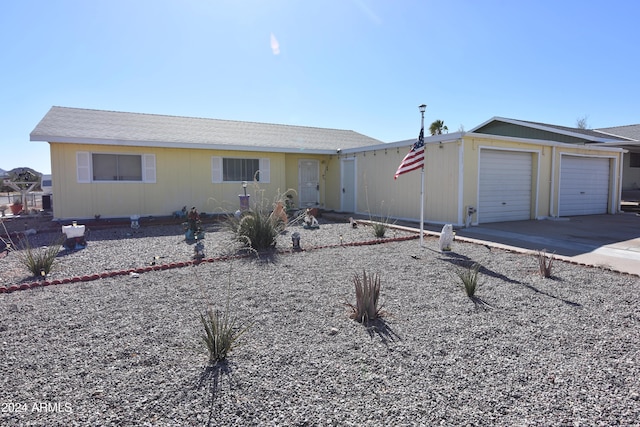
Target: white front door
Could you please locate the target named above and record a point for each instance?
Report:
(308, 183)
(348, 187)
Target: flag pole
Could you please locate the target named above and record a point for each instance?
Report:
(422, 108)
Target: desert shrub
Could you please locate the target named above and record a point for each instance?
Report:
(221, 333)
(469, 278)
(379, 228)
(255, 229)
(39, 261)
(220, 330)
(545, 263)
(259, 227)
(366, 307)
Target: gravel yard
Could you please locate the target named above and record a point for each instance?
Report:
(125, 350)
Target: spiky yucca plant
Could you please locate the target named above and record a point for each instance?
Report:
(221, 333)
(379, 229)
(545, 264)
(366, 308)
(469, 278)
(39, 261)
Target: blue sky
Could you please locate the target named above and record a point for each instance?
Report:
(363, 65)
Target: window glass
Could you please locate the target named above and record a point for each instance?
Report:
(117, 167)
(240, 169)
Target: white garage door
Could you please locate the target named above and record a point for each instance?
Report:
(505, 186)
(584, 186)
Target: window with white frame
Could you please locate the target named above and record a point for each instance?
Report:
(231, 169)
(240, 169)
(108, 167)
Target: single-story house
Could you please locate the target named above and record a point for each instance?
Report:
(120, 164)
(116, 164)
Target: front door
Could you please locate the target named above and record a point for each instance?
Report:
(308, 183)
(348, 181)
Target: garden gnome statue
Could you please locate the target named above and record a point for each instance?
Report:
(446, 237)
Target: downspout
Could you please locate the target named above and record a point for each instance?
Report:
(620, 165)
(553, 182)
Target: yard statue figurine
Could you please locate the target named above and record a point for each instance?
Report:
(193, 226)
(310, 221)
(446, 238)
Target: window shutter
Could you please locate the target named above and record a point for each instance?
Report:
(83, 166)
(265, 173)
(216, 170)
(149, 168)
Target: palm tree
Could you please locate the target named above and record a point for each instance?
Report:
(437, 127)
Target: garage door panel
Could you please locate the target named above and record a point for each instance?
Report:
(504, 186)
(584, 186)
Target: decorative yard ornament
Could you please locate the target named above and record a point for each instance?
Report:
(446, 238)
(22, 180)
(193, 226)
(198, 250)
(295, 240)
(310, 221)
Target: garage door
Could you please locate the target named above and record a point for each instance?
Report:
(505, 186)
(584, 186)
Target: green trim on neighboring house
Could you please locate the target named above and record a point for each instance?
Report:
(516, 131)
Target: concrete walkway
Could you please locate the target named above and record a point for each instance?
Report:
(607, 241)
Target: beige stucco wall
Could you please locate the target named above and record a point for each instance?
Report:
(183, 178)
(379, 195)
(451, 178)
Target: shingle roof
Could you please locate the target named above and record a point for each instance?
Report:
(75, 125)
(629, 131)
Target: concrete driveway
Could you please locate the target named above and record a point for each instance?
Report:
(608, 241)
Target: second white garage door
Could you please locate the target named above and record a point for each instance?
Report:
(504, 186)
(584, 186)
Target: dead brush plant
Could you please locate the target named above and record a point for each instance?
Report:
(366, 308)
(545, 263)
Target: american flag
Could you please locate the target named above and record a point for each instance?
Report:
(414, 158)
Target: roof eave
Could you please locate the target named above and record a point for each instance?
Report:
(542, 127)
(163, 144)
(543, 142)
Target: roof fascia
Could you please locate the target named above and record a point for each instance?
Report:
(492, 119)
(542, 127)
(156, 144)
(445, 137)
(614, 136)
(595, 146)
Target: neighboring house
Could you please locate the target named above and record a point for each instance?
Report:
(631, 136)
(121, 164)
(117, 164)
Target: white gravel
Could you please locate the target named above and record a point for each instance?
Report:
(125, 350)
